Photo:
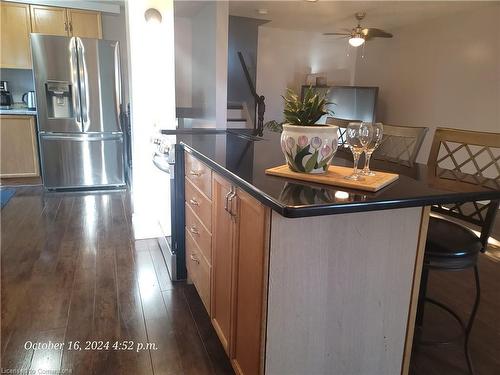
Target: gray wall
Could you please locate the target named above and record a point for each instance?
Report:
(203, 47)
(20, 81)
(195, 60)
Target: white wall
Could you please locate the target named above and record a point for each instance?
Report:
(152, 92)
(444, 72)
(285, 57)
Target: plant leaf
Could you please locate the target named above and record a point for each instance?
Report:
(312, 162)
(300, 156)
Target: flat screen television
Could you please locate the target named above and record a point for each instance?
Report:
(351, 102)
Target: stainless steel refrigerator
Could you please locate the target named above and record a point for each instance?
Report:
(78, 92)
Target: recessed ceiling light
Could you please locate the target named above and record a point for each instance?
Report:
(311, 1)
(262, 11)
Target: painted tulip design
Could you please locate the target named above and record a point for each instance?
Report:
(290, 142)
(326, 151)
(316, 142)
(302, 141)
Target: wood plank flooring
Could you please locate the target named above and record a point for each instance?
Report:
(71, 271)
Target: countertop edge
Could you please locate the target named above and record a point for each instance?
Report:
(321, 210)
(249, 188)
(15, 112)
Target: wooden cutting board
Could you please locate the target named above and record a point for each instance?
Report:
(335, 176)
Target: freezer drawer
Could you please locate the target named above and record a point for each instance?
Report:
(82, 161)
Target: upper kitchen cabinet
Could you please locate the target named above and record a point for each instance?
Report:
(49, 20)
(84, 23)
(66, 22)
(15, 30)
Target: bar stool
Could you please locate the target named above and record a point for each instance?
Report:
(460, 161)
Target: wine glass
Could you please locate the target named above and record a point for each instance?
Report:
(358, 135)
(378, 131)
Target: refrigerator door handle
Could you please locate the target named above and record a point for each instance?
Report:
(84, 84)
(118, 81)
(75, 86)
(83, 137)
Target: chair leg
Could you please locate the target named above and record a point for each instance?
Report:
(471, 321)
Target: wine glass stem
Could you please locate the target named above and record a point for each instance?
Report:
(356, 160)
(368, 155)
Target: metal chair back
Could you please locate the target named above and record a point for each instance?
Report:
(462, 160)
(400, 144)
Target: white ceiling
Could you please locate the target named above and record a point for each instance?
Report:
(329, 16)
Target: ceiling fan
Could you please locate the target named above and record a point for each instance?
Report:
(358, 35)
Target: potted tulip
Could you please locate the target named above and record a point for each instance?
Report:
(308, 147)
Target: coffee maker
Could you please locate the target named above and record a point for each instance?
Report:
(5, 97)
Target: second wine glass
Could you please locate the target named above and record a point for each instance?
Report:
(358, 135)
(378, 131)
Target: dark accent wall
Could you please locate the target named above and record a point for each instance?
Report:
(243, 37)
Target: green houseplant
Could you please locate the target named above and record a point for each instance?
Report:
(308, 146)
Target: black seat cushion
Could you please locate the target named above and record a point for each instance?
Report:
(450, 245)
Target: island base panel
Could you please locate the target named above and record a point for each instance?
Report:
(340, 291)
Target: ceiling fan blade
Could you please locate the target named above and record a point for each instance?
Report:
(344, 34)
(372, 32)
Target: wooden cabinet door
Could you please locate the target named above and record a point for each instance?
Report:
(84, 23)
(18, 152)
(49, 20)
(222, 260)
(250, 285)
(15, 31)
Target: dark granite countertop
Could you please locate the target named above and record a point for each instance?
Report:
(18, 111)
(243, 160)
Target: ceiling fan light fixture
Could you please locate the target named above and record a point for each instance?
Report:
(356, 40)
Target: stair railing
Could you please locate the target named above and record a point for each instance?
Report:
(259, 99)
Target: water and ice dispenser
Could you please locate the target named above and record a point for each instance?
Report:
(59, 99)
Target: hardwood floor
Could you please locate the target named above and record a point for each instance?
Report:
(456, 289)
(71, 271)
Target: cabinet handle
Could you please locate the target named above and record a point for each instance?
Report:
(231, 197)
(65, 26)
(194, 230)
(226, 199)
(194, 173)
(71, 27)
(194, 259)
(194, 202)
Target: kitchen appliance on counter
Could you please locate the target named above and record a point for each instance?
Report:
(78, 97)
(28, 98)
(5, 96)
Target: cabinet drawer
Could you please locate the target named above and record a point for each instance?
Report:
(199, 270)
(199, 174)
(199, 233)
(200, 205)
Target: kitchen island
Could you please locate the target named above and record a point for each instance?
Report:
(300, 278)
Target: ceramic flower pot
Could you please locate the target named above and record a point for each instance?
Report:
(309, 149)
